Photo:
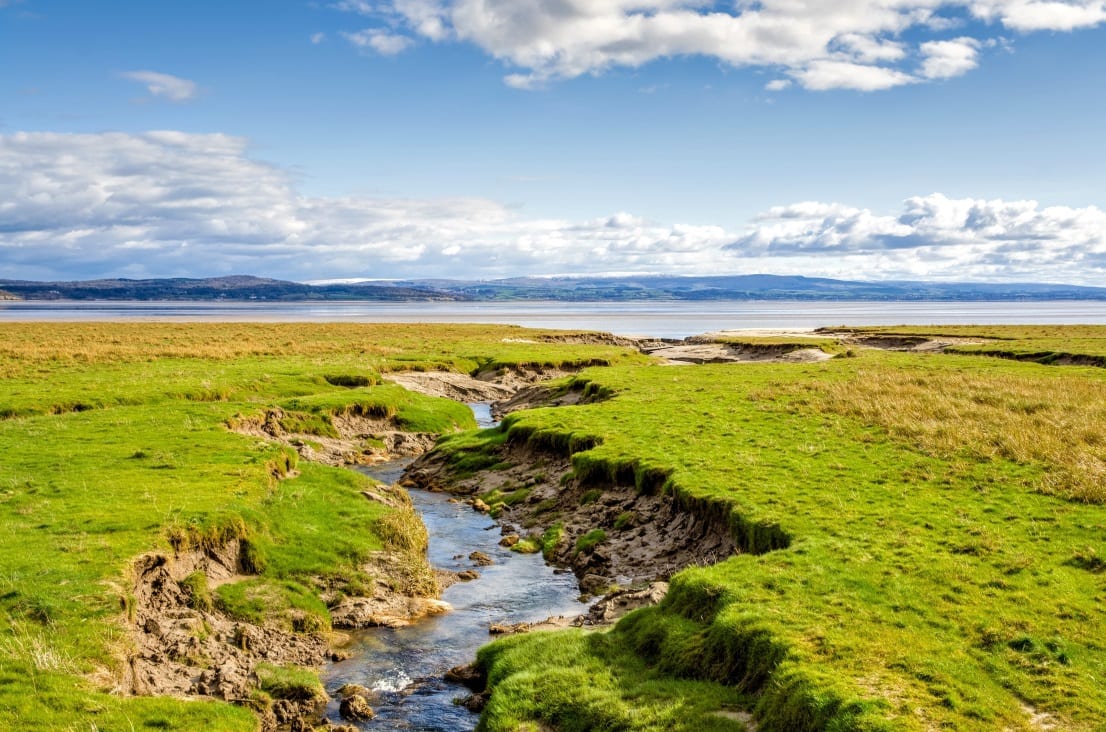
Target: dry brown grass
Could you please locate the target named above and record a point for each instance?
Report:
(111, 342)
(26, 347)
(1057, 422)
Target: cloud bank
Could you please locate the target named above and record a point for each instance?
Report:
(163, 204)
(819, 44)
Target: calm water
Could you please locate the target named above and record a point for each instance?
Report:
(669, 319)
(405, 665)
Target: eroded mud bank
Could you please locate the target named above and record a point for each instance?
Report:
(611, 536)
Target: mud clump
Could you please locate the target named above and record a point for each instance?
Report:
(611, 608)
(356, 439)
(481, 559)
(356, 709)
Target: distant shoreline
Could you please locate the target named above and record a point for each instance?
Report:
(591, 288)
(658, 319)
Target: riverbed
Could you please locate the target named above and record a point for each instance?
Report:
(405, 666)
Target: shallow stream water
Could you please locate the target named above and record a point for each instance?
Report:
(406, 665)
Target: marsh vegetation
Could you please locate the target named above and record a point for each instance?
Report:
(919, 533)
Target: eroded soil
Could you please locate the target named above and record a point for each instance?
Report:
(646, 537)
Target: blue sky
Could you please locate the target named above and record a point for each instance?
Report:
(873, 139)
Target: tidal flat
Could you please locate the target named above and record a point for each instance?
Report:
(904, 533)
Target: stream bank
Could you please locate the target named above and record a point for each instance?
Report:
(402, 669)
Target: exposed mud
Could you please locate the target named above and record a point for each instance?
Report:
(691, 352)
(489, 385)
(643, 537)
(895, 342)
(183, 649)
(361, 439)
(187, 648)
(538, 395)
(604, 613)
(451, 385)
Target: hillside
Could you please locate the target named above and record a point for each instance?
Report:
(570, 289)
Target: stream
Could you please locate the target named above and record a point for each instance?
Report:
(405, 665)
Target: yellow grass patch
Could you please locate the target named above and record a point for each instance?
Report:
(1058, 422)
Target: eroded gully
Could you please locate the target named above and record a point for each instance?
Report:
(404, 667)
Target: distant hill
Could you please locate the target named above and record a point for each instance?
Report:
(578, 289)
(747, 287)
(236, 288)
(5, 295)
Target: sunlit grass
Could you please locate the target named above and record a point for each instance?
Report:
(922, 549)
(1029, 417)
(115, 442)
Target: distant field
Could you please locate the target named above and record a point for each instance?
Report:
(115, 443)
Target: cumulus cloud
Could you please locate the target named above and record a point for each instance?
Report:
(1037, 15)
(945, 59)
(937, 236)
(173, 88)
(170, 203)
(179, 204)
(858, 44)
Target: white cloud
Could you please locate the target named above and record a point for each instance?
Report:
(778, 84)
(173, 88)
(856, 44)
(937, 237)
(381, 41)
(945, 59)
(1035, 15)
(356, 6)
(317, 38)
(178, 204)
(829, 74)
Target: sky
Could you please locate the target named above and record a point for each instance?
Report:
(383, 139)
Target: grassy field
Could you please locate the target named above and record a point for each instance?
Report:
(115, 442)
(923, 535)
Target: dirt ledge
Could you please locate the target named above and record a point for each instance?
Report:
(185, 651)
(646, 537)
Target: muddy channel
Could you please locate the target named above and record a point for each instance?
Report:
(404, 667)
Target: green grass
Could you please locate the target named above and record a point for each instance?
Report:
(889, 582)
(783, 344)
(578, 682)
(411, 411)
(115, 443)
(290, 682)
(590, 540)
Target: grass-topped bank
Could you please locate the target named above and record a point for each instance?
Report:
(1079, 345)
(942, 566)
(119, 449)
